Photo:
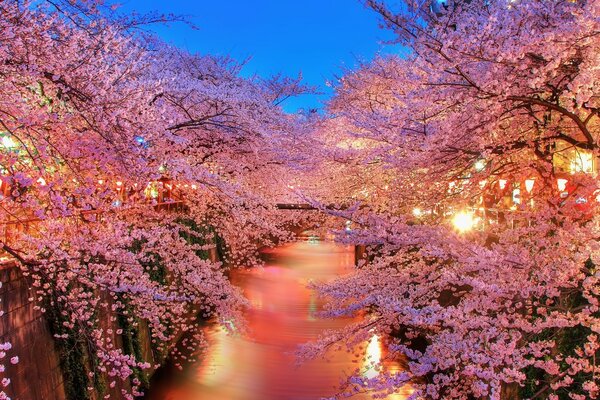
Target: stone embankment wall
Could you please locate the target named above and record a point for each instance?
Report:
(38, 374)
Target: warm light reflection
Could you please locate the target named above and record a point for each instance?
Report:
(372, 358)
(258, 362)
(464, 221)
(502, 183)
(220, 354)
(417, 212)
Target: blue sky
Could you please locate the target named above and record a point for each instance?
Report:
(315, 37)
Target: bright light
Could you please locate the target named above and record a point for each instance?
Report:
(464, 221)
(482, 184)
(100, 182)
(562, 184)
(502, 183)
(8, 142)
(516, 196)
(479, 165)
(140, 140)
(583, 161)
(417, 212)
(41, 181)
(529, 185)
(372, 358)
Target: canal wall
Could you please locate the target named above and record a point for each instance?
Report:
(37, 375)
(42, 367)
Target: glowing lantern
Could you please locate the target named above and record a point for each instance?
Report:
(479, 165)
(516, 196)
(464, 221)
(502, 183)
(562, 184)
(151, 190)
(529, 185)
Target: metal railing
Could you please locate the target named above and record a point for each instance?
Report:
(11, 229)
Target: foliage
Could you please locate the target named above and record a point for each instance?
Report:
(76, 359)
(491, 95)
(132, 346)
(105, 130)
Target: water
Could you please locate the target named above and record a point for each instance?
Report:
(261, 365)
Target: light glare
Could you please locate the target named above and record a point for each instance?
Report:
(464, 221)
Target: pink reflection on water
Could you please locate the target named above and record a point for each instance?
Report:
(261, 365)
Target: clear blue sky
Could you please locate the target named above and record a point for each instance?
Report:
(316, 37)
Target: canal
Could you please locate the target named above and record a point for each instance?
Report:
(261, 364)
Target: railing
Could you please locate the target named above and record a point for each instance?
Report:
(11, 229)
(493, 216)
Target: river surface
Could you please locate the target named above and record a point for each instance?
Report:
(260, 365)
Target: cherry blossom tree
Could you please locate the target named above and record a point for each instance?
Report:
(121, 159)
(491, 122)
